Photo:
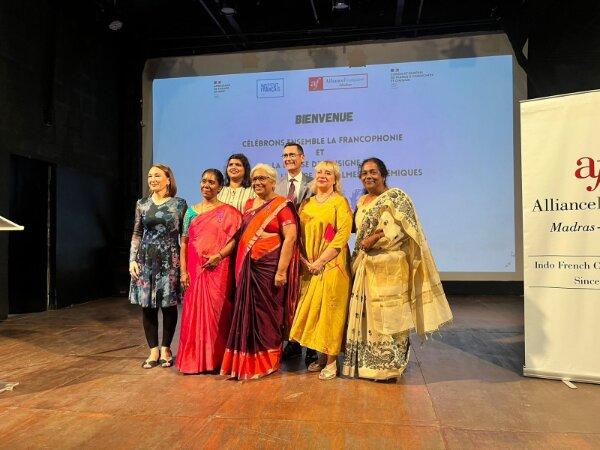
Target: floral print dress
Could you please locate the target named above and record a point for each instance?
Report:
(155, 247)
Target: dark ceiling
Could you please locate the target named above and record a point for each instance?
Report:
(183, 27)
(563, 36)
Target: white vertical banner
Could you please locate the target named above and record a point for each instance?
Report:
(560, 151)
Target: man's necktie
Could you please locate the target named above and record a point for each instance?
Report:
(292, 192)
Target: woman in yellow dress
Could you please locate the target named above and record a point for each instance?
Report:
(326, 224)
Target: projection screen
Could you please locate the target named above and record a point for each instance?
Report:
(441, 113)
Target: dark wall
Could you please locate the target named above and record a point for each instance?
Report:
(85, 259)
(59, 90)
(564, 47)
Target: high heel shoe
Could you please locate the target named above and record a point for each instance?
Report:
(329, 372)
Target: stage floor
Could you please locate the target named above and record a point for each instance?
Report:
(81, 386)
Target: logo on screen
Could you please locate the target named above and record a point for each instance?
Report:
(269, 88)
(220, 87)
(588, 168)
(315, 83)
(332, 82)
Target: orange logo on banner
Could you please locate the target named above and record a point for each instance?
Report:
(588, 169)
(315, 83)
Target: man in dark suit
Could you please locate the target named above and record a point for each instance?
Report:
(295, 186)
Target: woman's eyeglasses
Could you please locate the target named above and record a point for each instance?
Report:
(260, 178)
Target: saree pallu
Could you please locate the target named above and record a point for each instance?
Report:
(261, 309)
(207, 302)
(396, 289)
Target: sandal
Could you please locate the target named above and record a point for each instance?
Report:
(166, 363)
(316, 366)
(149, 364)
(329, 372)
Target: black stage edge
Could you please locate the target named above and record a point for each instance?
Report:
(483, 287)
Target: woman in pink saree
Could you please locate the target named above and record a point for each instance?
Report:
(209, 230)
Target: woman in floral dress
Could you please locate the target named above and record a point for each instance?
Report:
(154, 261)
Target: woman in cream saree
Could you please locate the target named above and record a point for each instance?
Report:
(396, 285)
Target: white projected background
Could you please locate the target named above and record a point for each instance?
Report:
(445, 129)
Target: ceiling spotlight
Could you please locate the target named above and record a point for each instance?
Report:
(227, 8)
(340, 5)
(115, 25)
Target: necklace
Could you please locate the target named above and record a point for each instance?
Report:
(204, 207)
(323, 199)
(161, 200)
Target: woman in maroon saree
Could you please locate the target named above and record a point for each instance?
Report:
(266, 275)
(209, 229)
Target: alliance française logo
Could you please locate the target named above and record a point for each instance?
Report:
(588, 168)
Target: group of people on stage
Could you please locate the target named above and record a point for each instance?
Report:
(260, 261)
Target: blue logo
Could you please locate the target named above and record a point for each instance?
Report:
(269, 88)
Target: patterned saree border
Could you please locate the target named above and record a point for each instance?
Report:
(236, 364)
(254, 229)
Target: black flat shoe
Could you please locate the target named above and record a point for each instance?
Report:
(291, 350)
(149, 364)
